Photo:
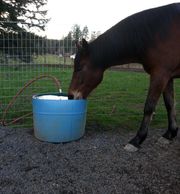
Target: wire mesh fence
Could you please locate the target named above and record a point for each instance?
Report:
(24, 56)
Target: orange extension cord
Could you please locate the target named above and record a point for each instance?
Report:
(3, 122)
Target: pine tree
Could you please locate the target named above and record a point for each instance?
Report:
(22, 14)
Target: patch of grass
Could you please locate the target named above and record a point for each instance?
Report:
(117, 102)
(39, 59)
(52, 59)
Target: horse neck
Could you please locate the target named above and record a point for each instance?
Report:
(107, 51)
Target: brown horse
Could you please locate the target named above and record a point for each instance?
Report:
(152, 38)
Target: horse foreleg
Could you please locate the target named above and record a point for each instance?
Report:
(168, 96)
(157, 85)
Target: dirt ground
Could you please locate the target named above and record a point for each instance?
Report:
(95, 164)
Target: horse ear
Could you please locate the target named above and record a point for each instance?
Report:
(78, 45)
(85, 44)
(82, 45)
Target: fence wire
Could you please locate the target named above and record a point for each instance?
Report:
(24, 56)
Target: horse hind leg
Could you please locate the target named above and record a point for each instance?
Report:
(157, 85)
(168, 96)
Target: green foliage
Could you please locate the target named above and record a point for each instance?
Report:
(30, 13)
(52, 59)
(85, 32)
(76, 32)
(17, 17)
(22, 45)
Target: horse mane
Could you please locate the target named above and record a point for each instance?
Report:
(128, 40)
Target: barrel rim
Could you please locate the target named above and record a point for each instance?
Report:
(35, 96)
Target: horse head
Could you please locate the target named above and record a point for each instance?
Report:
(86, 75)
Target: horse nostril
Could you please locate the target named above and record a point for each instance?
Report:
(70, 96)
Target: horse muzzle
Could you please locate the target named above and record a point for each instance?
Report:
(75, 95)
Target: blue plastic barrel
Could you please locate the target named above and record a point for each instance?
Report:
(58, 120)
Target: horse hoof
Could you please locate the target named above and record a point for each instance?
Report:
(130, 148)
(164, 141)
